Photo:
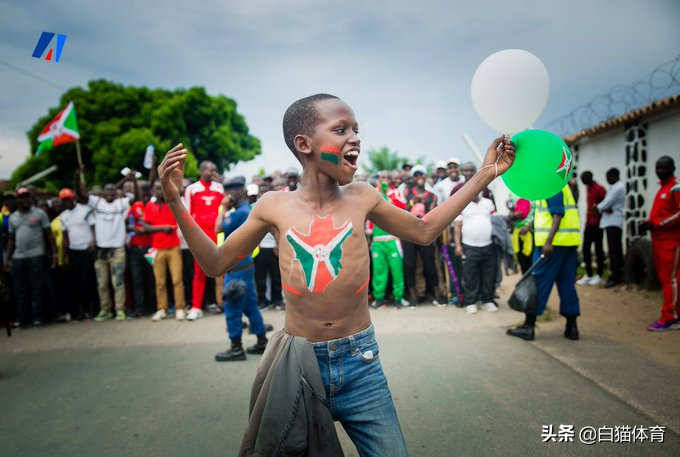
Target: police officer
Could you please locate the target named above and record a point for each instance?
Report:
(557, 238)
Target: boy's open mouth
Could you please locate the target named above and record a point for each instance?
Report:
(352, 156)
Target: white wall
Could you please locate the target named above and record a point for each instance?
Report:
(599, 154)
(663, 139)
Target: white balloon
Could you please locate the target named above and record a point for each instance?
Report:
(509, 90)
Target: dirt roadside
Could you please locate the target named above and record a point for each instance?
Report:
(623, 314)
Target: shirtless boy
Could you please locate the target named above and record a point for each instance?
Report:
(323, 255)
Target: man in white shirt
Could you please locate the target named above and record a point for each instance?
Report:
(443, 188)
(110, 235)
(611, 209)
(77, 226)
(473, 229)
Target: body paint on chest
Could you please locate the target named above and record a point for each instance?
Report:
(330, 154)
(319, 251)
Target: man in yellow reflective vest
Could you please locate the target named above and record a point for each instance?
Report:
(557, 238)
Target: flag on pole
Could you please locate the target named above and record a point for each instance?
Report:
(62, 129)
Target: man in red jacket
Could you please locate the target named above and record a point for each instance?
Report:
(664, 224)
(202, 199)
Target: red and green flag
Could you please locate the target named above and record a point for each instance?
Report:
(319, 251)
(62, 129)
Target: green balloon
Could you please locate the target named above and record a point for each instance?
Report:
(543, 165)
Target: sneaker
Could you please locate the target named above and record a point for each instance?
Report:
(120, 315)
(213, 308)
(194, 314)
(103, 316)
(233, 354)
(403, 303)
(454, 300)
(490, 307)
(439, 303)
(37, 324)
(266, 306)
(595, 281)
(180, 315)
(471, 309)
(675, 325)
(660, 326)
(158, 315)
(584, 281)
(377, 304)
(281, 307)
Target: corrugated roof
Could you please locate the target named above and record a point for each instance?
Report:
(658, 105)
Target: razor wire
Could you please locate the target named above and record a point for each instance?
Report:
(662, 82)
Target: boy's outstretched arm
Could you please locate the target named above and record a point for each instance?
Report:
(213, 259)
(499, 157)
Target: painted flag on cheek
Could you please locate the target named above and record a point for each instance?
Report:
(330, 154)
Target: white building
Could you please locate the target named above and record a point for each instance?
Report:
(631, 142)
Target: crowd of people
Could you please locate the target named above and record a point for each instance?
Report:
(116, 253)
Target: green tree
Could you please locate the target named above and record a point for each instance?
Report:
(383, 159)
(117, 123)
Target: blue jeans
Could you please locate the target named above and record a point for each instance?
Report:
(560, 268)
(246, 304)
(358, 396)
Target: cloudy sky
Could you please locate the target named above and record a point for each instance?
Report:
(404, 66)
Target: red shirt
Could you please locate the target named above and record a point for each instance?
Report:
(595, 193)
(159, 214)
(396, 198)
(665, 214)
(203, 200)
(136, 214)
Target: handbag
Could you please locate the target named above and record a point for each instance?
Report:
(525, 296)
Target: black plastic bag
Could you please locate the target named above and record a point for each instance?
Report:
(525, 296)
(235, 290)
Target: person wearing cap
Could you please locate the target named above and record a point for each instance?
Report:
(202, 199)
(239, 282)
(252, 192)
(292, 180)
(77, 227)
(439, 172)
(419, 201)
(444, 187)
(29, 227)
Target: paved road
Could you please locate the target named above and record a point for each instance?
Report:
(460, 385)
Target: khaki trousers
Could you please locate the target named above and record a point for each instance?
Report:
(168, 259)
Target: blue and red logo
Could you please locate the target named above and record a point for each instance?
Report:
(46, 43)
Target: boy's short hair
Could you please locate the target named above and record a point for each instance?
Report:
(301, 118)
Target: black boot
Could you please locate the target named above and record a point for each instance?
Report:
(571, 330)
(526, 330)
(260, 346)
(234, 353)
(267, 328)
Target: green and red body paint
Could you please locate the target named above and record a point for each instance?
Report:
(330, 154)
